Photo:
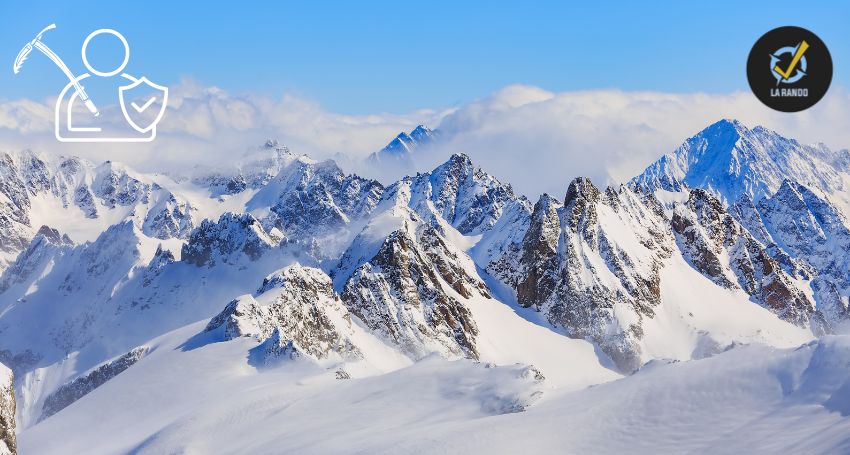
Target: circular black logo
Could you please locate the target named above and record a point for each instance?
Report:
(789, 69)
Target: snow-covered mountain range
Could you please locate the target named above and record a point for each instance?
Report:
(211, 311)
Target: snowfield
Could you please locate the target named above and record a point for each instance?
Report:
(282, 306)
(750, 399)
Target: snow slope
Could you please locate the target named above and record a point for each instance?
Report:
(173, 412)
(283, 306)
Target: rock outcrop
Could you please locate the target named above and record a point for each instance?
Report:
(589, 262)
(8, 445)
(229, 240)
(85, 384)
(784, 193)
(295, 312)
(402, 293)
(722, 250)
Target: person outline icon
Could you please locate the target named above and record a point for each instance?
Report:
(80, 118)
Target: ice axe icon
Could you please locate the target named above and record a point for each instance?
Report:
(38, 44)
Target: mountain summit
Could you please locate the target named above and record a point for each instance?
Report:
(241, 301)
(400, 150)
(733, 161)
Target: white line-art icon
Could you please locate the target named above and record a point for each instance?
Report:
(142, 101)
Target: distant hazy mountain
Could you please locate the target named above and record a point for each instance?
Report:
(223, 311)
(401, 149)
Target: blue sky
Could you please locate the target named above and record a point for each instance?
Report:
(368, 57)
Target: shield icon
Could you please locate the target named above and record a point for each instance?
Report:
(143, 103)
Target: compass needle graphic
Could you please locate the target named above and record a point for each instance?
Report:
(801, 49)
(789, 69)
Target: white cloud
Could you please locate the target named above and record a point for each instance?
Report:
(535, 139)
(210, 125)
(539, 141)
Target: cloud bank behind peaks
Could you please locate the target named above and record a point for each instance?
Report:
(535, 139)
(539, 140)
(209, 125)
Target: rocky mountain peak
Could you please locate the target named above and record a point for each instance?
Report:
(53, 236)
(402, 147)
(295, 312)
(720, 248)
(227, 239)
(728, 128)
(580, 202)
(41, 249)
(272, 144)
(459, 163)
(791, 195)
(539, 253)
(581, 191)
(77, 187)
(618, 267)
(468, 198)
(311, 200)
(705, 204)
(545, 208)
(400, 294)
(422, 134)
(732, 161)
(299, 283)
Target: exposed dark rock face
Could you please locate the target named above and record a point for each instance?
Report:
(169, 219)
(160, 260)
(342, 374)
(467, 197)
(222, 183)
(7, 412)
(47, 243)
(783, 193)
(276, 348)
(706, 233)
(409, 285)
(312, 199)
(563, 250)
(114, 186)
(54, 236)
(76, 389)
(810, 229)
(227, 239)
(540, 253)
(400, 294)
(464, 196)
(591, 263)
(296, 311)
(448, 266)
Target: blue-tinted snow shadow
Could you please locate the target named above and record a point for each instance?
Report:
(201, 339)
(505, 295)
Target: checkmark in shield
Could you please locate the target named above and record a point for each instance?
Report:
(143, 103)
